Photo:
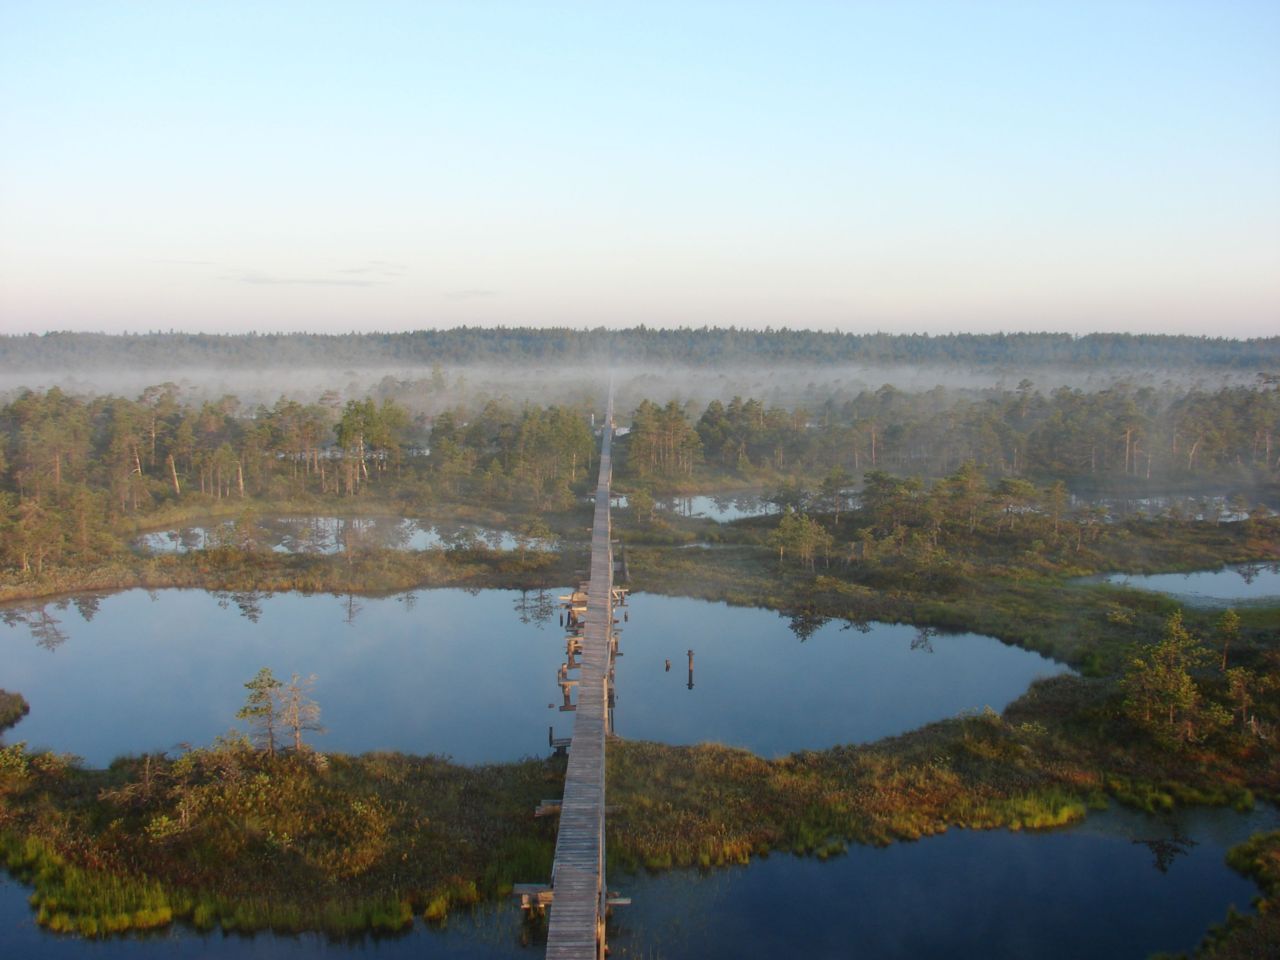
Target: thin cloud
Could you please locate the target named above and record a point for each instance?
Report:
(263, 279)
(468, 294)
(383, 268)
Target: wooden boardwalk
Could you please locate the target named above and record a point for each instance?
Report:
(575, 926)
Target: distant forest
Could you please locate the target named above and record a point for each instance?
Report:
(684, 346)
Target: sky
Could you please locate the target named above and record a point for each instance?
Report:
(902, 166)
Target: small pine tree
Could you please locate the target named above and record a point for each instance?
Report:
(260, 709)
(1160, 693)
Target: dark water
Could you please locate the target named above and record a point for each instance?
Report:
(474, 675)
(1090, 891)
(1121, 885)
(1238, 584)
(332, 535)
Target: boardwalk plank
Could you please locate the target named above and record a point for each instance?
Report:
(578, 868)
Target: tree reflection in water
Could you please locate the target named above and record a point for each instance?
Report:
(1165, 850)
(45, 628)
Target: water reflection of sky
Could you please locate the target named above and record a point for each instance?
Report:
(473, 675)
(1242, 582)
(1208, 508)
(729, 506)
(410, 673)
(756, 685)
(334, 534)
(722, 508)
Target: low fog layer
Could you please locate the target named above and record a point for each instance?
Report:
(424, 389)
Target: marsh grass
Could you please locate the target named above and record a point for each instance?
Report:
(71, 899)
(232, 838)
(709, 805)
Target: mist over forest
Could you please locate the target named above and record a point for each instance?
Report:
(1120, 412)
(782, 367)
(701, 346)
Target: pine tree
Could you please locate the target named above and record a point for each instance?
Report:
(260, 709)
(1160, 693)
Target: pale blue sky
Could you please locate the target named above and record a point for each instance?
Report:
(905, 166)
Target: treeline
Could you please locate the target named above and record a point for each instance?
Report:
(534, 456)
(71, 467)
(703, 346)
(1176, 436)
(137, 450)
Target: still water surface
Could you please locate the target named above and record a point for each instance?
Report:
(1097, 890)
(327, 535)
(1242, 583)
(1121, 885)
(473, 675)
(1208, 508)
(722, 508)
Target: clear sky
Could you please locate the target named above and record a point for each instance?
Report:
(894, 165)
